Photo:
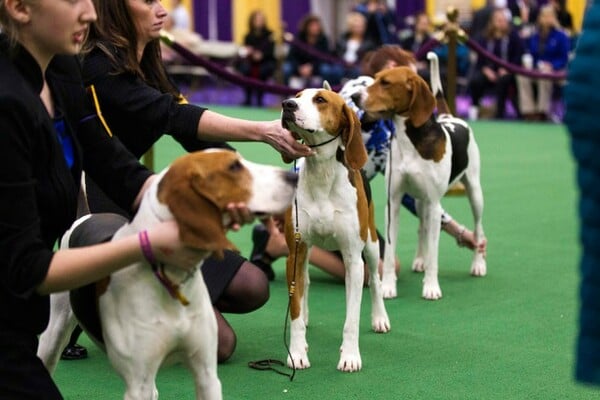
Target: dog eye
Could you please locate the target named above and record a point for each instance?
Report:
(384, 82)
(235, 166)
(320, 99)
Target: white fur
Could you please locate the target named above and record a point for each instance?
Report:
(327, 217)
(143, 326)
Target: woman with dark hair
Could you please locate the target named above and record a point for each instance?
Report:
(257, 56)
(50, 134)
(301, 68)
(139, 104)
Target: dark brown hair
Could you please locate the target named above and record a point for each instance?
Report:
(114, 33)
(374, 61)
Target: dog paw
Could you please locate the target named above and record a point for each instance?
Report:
(350, 362)
(381, 324)
(389, 290)
(300, 361)
(418, 265)
(432, 291)
(478, 267)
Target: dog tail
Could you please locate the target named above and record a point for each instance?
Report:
(436, 84)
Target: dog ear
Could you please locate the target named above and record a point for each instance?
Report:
(422, 102)
(326, 85)
(199, 219)
(355, 154)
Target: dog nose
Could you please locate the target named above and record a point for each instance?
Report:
(356, 98)
(290, 177)
(289, 105)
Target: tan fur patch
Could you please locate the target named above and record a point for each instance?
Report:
(297, 254)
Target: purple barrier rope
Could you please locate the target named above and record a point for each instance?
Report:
(229, 76)
(315, 52)
(221, 72)
(426, 48)
(515, 69)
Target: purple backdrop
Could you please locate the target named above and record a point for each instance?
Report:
(291, 13)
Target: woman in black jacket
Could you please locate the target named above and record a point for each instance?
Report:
(257, 56)
(48, 137)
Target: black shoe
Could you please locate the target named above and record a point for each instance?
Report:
(259, 256)
(75, 352)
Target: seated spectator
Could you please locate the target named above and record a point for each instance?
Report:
(257, 56)
(381, 23)
(504, 42)
(549, 48)
(302, 69)
(524, 16)
(420, 35)
(353, 45)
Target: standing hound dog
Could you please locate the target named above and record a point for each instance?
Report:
(332, 210)
(141, 323)
(427, 156)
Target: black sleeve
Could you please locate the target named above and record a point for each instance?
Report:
(25, 258)
(124, 96)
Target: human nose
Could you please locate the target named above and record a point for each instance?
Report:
(89, 14)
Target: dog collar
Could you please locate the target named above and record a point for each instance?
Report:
(312, 146)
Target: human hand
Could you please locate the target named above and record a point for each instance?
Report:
(282, 140)
(162, 243)
(489, 74)
(239, 214)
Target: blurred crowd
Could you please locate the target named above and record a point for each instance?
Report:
(532, 34)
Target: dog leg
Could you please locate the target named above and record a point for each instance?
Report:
(297, 274)
(392, 210)
(475, 194)
(418, 264)
(56, 336)
(429, 235)
(380, 321)
(350, 360)
(201, 348)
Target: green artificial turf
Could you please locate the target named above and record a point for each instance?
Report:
(509, 335)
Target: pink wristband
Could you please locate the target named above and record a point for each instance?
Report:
(146, 247)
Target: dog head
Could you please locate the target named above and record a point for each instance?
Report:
(319, 115)
(198, 187)
(399, 91)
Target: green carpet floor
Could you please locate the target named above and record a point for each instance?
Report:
(509, 335)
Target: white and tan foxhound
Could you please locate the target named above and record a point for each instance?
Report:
(332, 211)
(142, 324)
(427, 156)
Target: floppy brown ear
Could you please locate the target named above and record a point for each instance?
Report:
(422, 102)
(355, 154)
(199, 219)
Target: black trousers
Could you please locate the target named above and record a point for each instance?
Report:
(23, 376)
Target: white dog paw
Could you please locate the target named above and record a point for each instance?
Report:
(418, 265)
(381, 324)
(350, 362)
(432, 291)
(479, 267)
(300, 360)
(389, 290)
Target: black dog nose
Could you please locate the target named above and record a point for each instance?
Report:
(356, 98)
(289, 105)
(291, 177)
